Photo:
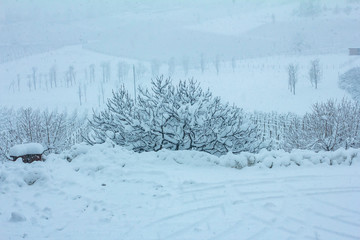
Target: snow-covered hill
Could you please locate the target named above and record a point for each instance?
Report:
(111, 193)
(252, 43)
(255, 84)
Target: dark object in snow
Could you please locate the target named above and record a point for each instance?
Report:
(354, 51)
(29, 152)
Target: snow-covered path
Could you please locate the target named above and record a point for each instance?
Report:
(154, 196)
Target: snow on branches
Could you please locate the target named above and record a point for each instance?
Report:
(176, 117)
(330, 126)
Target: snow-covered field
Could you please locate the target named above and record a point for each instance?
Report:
(111, 193)
(255, 84)
(106, 192)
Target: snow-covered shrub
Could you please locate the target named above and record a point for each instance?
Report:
(54, 130)
(176, 117)
(330, 126)
(350, 81)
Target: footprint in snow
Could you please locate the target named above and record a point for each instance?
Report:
(270, 205)
(17, 217)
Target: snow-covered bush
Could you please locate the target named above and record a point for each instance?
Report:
(350, 81)
(54, 130)
(176, 117)
(330, 126)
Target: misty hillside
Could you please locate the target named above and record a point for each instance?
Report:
(252, 44)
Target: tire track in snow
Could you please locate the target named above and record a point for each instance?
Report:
(221, 196)
(339, 234)
(336, 206)
(326, 216)
(180, 214)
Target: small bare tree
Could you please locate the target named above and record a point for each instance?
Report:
(105, 66)
(217, 64)
(29, 84)
(52, 76)
(80, 94)
(46, 79)
(123, 71)
(18, 82)
(315, 73)
(92, 73)
(34, 77)
(70, 76)
(293, 77)
(85, 92)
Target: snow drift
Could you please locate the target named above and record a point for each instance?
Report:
(90, 192)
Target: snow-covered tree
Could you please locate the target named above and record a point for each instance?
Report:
(123, 71)
(329, 126)
(292, 77)
(70, 76)
(92, 73)
(53, 76)
(315, 73)
(217, 64)
(54, 130)
(106, 72)
(350, 81)
(34, 77)
(80, 94)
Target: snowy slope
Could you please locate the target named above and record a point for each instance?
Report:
(259, 84)
(262, 37)
(110, 193)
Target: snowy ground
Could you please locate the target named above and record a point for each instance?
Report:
(110, 193)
